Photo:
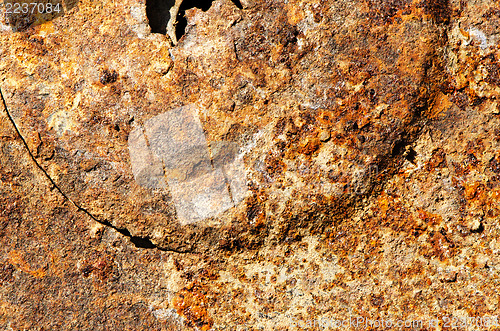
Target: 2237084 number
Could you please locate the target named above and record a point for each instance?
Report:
(32, 8)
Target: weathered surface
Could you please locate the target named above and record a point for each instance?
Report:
(367, 132)
(270, 79)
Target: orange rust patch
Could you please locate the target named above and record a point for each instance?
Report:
(18, 261)
(295, 14)
(438, 246)
(383, 203)
(429, 218)
(437, 160)
(191, 303)
(310, 146)
(465, 33)
(471, 191)
(441, 104)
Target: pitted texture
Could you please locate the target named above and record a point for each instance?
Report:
(272, 79)
(368, 133)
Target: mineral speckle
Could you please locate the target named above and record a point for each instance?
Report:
(283, 165)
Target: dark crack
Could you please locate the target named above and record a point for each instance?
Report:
(138, 242)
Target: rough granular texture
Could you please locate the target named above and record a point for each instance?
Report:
(270, 79)
(284, 166)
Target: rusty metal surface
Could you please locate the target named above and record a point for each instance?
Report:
(283, 162)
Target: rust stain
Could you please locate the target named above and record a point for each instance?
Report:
(16, 258)
(192, 304)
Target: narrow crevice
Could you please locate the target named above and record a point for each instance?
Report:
(139, 242)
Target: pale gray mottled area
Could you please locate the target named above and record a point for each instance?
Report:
(202, 197)
(225, 156)
(147, 169)
(204, 179)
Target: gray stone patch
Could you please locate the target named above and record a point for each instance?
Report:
(171, 152)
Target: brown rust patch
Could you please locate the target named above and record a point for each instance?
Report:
(192, 304)
(309, 146)
(437, 160)
(16, 258)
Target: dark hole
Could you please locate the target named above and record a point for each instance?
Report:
(180, 29)
(108, 77)
(398, 147)
(480, 229)
(350, 126)
(410, 156)
(237, 3)
(158, 14)
(204, 5)
(87, 270)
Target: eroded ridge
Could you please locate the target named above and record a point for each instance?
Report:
(170, 152)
